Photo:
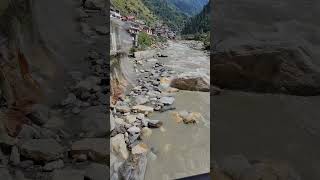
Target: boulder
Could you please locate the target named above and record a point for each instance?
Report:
(95, 148)
(41, 149)
(280, 67)
(191, 81)
(40, 114)
(166, 100)
(140, 149)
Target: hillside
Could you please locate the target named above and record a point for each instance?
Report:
(166, 12)
(135, 7)
(199, 23)
(189, 7)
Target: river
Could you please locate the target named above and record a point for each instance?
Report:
(183, 149)
(269, 126)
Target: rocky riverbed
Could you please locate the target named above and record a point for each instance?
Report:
(152, 124)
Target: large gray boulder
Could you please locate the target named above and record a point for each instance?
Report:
(267, 67)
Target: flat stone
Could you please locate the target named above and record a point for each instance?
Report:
(134, 130)
(123, 109)
(143, 109)
(131, 118)
(54, 165)
(154, 123)
(140, 149)
(95, 148)
(41, 149)
(40, 114)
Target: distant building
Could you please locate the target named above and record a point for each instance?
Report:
(147, 30)
(115, 13)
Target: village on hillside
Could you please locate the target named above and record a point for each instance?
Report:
(136, 26)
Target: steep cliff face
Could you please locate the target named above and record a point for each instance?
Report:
(120, 42)
(35, 31)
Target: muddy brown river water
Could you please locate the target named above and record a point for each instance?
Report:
(183, 150)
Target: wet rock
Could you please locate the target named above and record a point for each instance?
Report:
(67, 174)
(140, 100)
(235, 165)
(15, 156)
(123, 109)
(166, 108)
(215, 90)
(119, 146)
(191, 82)
(40, 114)
(167, 100)
(152, 156)
(131, 118)
(71, 98)
(28, 132)
(143, 109)
(146, 132)
(97, 172)
(119, 121)
(41, 149)
(53, 165)
(134, 130)
(95, 148)
(154, 123)
(140, 116)
(140, 149)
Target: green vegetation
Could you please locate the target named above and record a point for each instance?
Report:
(167, 13)
(189, 7)
(199, 27)
(199, 23)
(144, 40)
(136, 8)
